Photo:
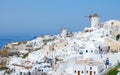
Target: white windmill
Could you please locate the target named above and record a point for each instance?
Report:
(95, 20)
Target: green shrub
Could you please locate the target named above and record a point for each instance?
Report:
(49, 40)
(3, 68)
(7, 71)
(115, 51)
(113, 71)
(25, 55)
(37, 49)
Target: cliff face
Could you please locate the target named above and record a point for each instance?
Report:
(3, 52)
(114, 45)
(3, 62)
(114, 27)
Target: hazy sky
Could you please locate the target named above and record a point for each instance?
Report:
(48, 16)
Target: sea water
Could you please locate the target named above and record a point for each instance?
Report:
(4, 40)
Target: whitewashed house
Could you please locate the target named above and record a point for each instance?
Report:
(88, 50)
(87, 67)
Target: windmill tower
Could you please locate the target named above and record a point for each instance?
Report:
(95, 20)
(64, 32)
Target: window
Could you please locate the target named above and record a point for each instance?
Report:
(90, 68)
(82, 72)
(94, 72)
(35, 67)
(112, 23)
(52, 49)
(91, 51)
(80, 52)
(106, 34)
(75, 71)
(86, 71)
(86, 51)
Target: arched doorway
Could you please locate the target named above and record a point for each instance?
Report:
(118, 37)
(90, 72)
(78, 72)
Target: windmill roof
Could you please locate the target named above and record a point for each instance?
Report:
(95, 15)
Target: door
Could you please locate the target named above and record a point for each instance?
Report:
(78, 72)
(90, 72)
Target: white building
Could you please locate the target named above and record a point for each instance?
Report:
(95, 21)
(64, 32)
(87, 67)
(89, 50)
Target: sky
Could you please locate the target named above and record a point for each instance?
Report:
(28, 17)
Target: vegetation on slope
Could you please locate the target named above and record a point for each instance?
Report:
(3, 68)
(3, 52)
(24, 56)
(113, 71)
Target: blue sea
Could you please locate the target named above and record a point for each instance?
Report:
(4, 40)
